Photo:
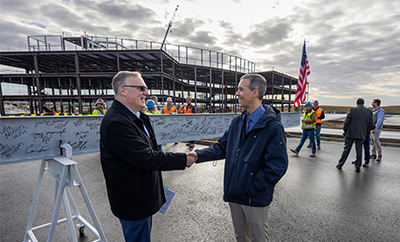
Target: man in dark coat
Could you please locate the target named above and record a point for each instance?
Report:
(254, 148)
(130, 159)
(357, 125)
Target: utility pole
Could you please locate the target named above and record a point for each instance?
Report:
(169, 26)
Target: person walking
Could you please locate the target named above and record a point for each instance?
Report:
(254, 149)
(169, 107)
(99, 110)
(308, 125)
(378, 116)
(130, 160)
(320, 116)
(365, 145)
(357, 125)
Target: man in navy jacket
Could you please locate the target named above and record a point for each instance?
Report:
(254, 147)
(130, 158)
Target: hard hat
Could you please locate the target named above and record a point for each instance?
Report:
(150, 104)
(308, 104)
(100, 101)
(316, 102)
(169, 99)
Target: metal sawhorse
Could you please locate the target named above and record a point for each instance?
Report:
(64, 170)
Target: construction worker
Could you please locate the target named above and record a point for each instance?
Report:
(320, 115)
(99, 110)
(308, 125)
(169, 107)
(155, 99)
(151, 107)
(189, 109)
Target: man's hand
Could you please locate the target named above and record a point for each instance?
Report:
(189, 159)
(194, 154)
(373, 131)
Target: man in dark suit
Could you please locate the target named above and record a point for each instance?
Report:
(130, 159)
(357, 125)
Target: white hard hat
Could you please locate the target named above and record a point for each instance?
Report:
(169, 99)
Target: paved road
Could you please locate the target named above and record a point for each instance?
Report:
(313, 202)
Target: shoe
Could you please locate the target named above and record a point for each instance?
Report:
(339, 167)
(353, 162)
(379, 158)
(294, 151)
(308, 146)
(312, 155)
(319, 147)
(373, 156)
(188, 144)
(358, 170)
(175, 143)
(366, 165)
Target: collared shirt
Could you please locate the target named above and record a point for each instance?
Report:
(253, 118)
(380, 115)
(137, 115)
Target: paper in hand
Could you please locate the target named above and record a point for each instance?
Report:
(169, 195)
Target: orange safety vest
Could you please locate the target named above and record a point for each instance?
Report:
(165, 109)
(319, 112)
(188, 110)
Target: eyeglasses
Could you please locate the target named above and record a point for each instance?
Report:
(142, 88)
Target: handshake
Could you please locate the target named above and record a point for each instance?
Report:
(191, 157)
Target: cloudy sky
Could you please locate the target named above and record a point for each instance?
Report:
(353, 46)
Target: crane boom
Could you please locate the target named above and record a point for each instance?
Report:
(169, 26)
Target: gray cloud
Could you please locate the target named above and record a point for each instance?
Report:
(350, 45)
(269, 32)
(186, 27)
(203, 38)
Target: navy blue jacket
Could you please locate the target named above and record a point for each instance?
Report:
(255, 161)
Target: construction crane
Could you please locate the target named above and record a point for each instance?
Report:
(169, 26)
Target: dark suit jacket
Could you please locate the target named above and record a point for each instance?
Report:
(132, 164)
(358, 123)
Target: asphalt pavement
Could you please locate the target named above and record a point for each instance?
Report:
(314, 201)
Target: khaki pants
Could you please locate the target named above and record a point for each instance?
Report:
(376, 143)
(250, 223)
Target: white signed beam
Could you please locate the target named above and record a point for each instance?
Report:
(35, 138)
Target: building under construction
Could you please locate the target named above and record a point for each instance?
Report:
(68, 74)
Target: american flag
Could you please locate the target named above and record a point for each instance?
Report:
(302, 83)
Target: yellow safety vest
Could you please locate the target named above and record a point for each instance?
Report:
(98, 112)
(152, 112)
(307, 117)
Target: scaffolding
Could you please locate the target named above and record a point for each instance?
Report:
(67, 74)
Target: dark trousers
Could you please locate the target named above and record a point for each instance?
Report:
(367, 155)
(137, 230)
(348, 143)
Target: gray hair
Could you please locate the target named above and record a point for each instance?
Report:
(257, 82)
(120, 78)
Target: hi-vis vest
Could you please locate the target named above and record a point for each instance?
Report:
(152, 112)
(99, 112)
(188, 110)
(319, 112)
(307, 117)
(171, 110)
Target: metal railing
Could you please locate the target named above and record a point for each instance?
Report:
(183, 54)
